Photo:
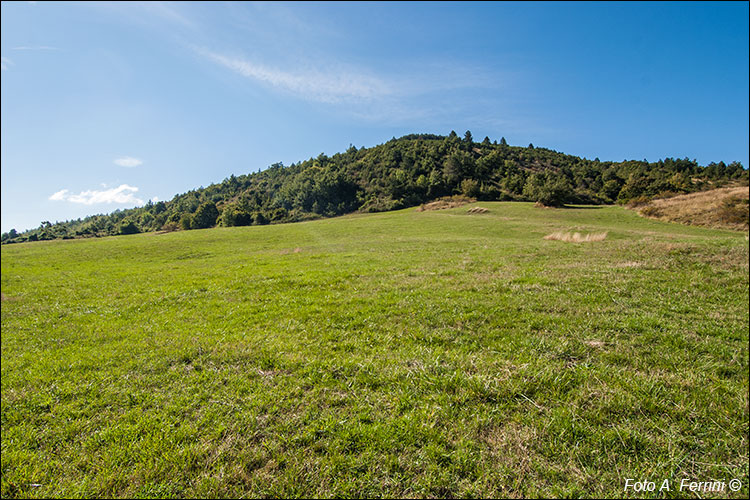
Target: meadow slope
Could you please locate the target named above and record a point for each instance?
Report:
(417, 354)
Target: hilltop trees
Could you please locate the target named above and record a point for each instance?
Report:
(400, 173)
(9, 235)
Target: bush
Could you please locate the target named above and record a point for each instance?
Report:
(170, 226)
(129, 227)
(233, 215)
(470, 188)
(205, 216)
(380, 204)
(547, 190)
(186, 221)
(260, 219)
(638, 201)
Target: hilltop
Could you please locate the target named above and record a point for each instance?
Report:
(402, 172)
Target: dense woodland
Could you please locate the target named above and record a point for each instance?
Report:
(400, 173)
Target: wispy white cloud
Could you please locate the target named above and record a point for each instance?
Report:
(59, 196)
(128, 161)
(5, 63)
(330, 86)
(35, 47)
(122, 194)
(396, 95)
(305, 63)
(168, 11)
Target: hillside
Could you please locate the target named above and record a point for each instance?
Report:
(400, 173)
(723, 208)
(436, 353)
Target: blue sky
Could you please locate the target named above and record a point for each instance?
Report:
(108, 105)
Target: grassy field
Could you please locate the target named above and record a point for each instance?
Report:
(415, 354)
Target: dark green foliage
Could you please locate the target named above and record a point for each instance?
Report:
(186, 221)
(129, 227)
(235, 215)
(470, 188)
(9, 235)
(260, 219)
(205, 216)
(550, 191)
(403, 172)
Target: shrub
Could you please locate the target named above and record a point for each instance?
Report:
(129, 227)
(638, 201)
(470, 188)
(205, 216)
(186, 221)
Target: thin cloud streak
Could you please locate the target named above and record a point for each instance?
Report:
(128, 161)
(334, 87)
(122, 194)
(166, 10)
(35, 47)
(5, 63)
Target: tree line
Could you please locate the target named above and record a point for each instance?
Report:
(400, 173)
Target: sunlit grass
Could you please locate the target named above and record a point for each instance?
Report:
(419, 354)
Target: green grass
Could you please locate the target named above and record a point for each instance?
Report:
(428, 354)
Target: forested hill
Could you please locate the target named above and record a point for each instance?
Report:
(400, 173)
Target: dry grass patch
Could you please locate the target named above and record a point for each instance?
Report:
(445, 202)
(723, 208)
(629, 264)
(595, 343)
(287, 251)
(576, 237)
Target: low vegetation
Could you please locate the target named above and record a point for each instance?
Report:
(725, 208)
(399, 354)
(405, 172)
(576, 237)
(446, 202)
